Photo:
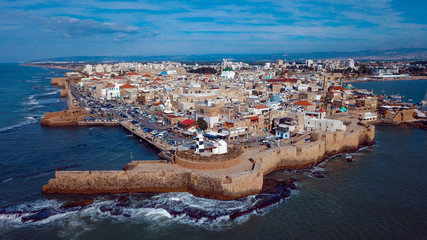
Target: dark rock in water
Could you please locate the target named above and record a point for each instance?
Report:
(349, 159)
(105, 208)
(126, 215)
(116, 211)
(40, 215)
(273, 191)
(318, 175)
(80, 203)
(123, 201)
(304, 170)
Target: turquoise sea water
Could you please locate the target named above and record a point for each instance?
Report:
(381, 195)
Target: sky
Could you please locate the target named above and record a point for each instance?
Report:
(40, 29)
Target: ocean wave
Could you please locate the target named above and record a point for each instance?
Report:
(31, 101)
(155, 210)
(28, 121)
(50, 93)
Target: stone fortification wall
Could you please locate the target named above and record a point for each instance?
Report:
(323, 145)
(61, 82)
(198, 183)
(211, 184)
(188, 159)
(64, 92)
(64, 118)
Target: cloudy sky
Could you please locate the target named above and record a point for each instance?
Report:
(37, 29)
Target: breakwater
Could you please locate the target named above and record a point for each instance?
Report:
(239, 180)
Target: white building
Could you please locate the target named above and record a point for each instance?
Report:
(331, 125)
(110, 92)
(99, 68)
(228, 73)
(283, 131)
(349, 63)
(220, 147)
(309, 63)
(368, 116)
(88, 69)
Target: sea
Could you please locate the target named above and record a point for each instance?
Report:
(380, 194)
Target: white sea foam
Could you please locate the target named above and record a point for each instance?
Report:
(28, 121)
(76, 220)
(156, 213)
(31, 102)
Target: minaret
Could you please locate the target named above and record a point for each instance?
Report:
(200, 146)
(325, 84)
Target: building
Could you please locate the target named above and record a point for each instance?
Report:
(283, 131)
(110, 91)
(312, 124)
(349, 63)
(228, 73)
(220, 147)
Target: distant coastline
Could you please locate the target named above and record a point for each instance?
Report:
(45, 65)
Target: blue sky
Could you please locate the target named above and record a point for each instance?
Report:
(36, 29)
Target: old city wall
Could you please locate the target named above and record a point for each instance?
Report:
(323, 145)
(209, 184)
(63, 118)
(60, 82)
(198, 183)
(213, 162)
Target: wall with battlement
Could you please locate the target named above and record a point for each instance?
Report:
(61, 82)
(64, 118)
(323, 145)
(198, 183)
(209, 184)
(188, 159)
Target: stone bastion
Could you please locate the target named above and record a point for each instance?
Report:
(220, 177)
(189, 159)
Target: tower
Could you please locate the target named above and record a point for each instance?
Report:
(200, 146)
(325, 83)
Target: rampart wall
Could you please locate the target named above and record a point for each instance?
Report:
(211, 184)
(191, 160)
(198, 183)
(322, 145)
(61, 81)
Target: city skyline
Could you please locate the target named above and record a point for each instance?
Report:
(36, 29)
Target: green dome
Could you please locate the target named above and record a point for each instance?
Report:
(228, 69)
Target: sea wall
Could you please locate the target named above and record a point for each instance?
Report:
(157, 176)
(188, 159)
(322, 146)
(198, 183)
(60, 82)
(64, 118)
(64, 92)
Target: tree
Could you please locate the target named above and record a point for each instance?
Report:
(203, 70)
(202, 124)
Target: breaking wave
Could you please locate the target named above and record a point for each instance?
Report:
(157, 209)
(27, 121)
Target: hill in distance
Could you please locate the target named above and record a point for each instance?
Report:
(365, 55)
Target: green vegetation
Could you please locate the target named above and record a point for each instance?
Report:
(202, 124)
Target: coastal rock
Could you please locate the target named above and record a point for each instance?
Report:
(123, 201)
(80, 203)
(40, 215)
